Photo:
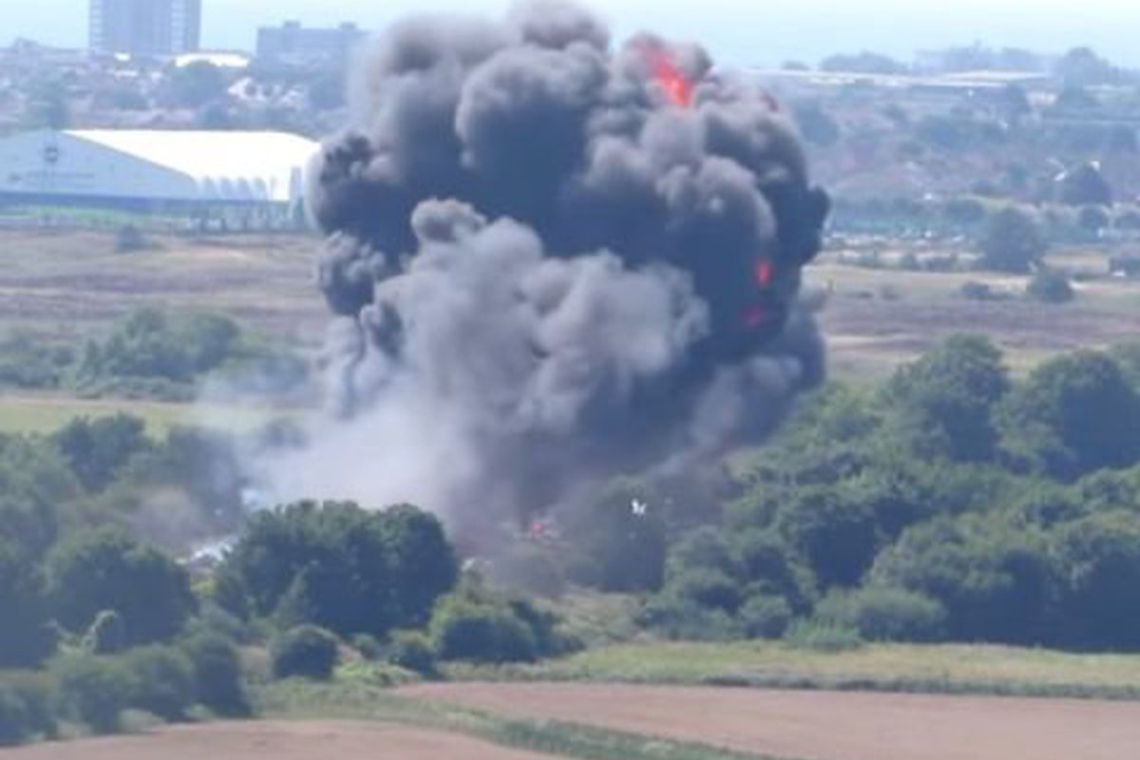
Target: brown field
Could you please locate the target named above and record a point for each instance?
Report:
(825, 725)
(67, 284)
(316, 740)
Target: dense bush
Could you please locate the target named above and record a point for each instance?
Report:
(413, 651)
(217, 675)
(160, 681)
(1013, 241)
(26, 639)
(26, 708)
(107, 570)
(884, 614)
(765, 617)
(477, 630)
(93, 690)
(340, 567)
(305, 651)
(1050, 286)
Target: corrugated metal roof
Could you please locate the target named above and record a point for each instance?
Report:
(265, 166)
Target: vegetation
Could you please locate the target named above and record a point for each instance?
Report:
(957, 505)
(151, 354)
(306, 651)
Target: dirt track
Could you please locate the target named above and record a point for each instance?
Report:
(827, 726)
(324, 740)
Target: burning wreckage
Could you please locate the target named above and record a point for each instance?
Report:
(550, 261)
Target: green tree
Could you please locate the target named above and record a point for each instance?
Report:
(341, 567)
(837, 536)
(1050, 286)
(1085, 185)
(98, 449)
(1099, 562)
(25, 637)
(307, 651)
(107, 570)
(1012, 241)
(217, 674)
(423, 562)
(481, 630)
(993, 580)
(1082, 67)
(943, 402)
(1074, 414)
(195, 85)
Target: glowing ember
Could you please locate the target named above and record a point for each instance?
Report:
(676, 85)
(763, 273)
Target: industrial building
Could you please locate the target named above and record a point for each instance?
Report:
(191, 173)
(145, 27)
(296, 45)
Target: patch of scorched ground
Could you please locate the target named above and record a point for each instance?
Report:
(277, 741)
(825, 725)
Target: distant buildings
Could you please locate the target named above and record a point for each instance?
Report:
(172, 172)
(145, 27)
(292, 43)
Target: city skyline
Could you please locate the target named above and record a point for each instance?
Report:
(780, 30)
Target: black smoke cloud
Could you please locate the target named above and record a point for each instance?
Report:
(545, 272)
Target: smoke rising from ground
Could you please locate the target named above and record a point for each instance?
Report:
(551, 261)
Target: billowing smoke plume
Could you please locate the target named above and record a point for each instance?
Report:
(552, 262)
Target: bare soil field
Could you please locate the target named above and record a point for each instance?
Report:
(317, 740)
(825, 725)
(70, 284)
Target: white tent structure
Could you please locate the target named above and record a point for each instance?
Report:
(156, 170)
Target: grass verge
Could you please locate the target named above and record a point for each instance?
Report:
(948, 669)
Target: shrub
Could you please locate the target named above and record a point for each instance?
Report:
(1050, 286)
(369, 647)
(480, 631)
(217, 674)
(160, 681)
(685, 620)
(708, 588)
(823, 637)
(306, 651)
(26, 709)
(129, 239)
(978, 291)
(884, 614)
(412, 651)
(765, 617)
(93, 690)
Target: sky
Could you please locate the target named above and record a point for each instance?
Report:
(740, 32)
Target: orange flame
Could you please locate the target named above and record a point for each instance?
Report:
(676, 85)
(763, 273)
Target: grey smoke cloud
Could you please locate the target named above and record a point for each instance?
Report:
(546, 270)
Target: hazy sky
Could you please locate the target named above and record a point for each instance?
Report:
(740, 31)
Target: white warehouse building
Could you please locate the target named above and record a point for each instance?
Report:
(170, 171)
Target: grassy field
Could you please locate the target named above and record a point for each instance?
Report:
(67, 286)
(29, 413)
(876, 667)
(875, 319)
